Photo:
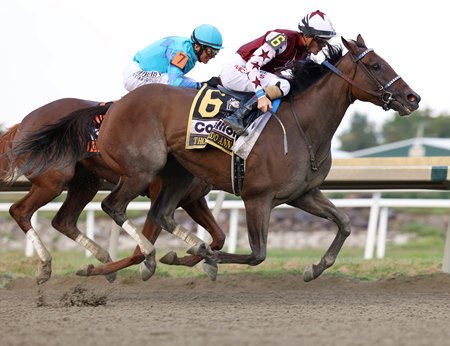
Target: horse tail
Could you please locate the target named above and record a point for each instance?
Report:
(6, 140)
(58, 145)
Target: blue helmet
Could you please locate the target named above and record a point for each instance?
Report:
(207, 35)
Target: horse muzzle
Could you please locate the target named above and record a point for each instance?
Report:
(405, 105)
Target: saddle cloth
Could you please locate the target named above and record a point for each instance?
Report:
(205, 124)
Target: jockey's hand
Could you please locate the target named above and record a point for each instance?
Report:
(264, 104)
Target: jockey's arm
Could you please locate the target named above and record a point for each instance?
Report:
(261, 57)
(176, 78)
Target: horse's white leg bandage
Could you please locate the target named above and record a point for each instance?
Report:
(88, 244)
(41, 250)
(186, 236)
(146, 247)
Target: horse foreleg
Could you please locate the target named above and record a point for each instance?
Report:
(316, 203)
(150, 231)
(199, 211)
(258, 216)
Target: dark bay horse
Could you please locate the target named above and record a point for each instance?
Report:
(82, 180)
(157, 148)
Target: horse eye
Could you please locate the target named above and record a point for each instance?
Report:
(376, 67)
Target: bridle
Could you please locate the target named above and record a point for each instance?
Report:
(385, 96)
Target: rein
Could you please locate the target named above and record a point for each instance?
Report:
(312, 156)
(382, 93)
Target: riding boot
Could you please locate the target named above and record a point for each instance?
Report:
(236, 120)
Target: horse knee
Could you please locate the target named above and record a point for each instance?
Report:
(58, 223)
(346, 230)
(165, 220)
(345, 227)
(118, 216)
(68, 229)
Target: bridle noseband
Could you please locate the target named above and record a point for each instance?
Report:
(385, 96)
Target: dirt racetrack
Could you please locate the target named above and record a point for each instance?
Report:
(234, 310)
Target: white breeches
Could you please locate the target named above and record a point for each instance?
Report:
(134, 77)
(234, 77)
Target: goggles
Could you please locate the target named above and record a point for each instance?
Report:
(210, 52)
(320, 41)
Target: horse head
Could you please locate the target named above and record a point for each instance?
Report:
(375, 81)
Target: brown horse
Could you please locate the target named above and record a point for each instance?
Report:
(157, 148)
(82, 181)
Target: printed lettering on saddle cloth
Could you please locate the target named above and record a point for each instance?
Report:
(205, 125)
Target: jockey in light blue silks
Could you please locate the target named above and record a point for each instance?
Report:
(169, 59)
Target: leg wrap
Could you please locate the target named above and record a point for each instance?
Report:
(88, 244)
(146, 247)
(42, 252)
(186, 236)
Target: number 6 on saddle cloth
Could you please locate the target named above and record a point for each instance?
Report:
(208, 108)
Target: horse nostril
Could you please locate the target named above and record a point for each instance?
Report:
(413, 98)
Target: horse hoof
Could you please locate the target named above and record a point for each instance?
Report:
(210, 269)
(199, 249)
(308, 273)
(148, 267)
(145, 272)
(169, 258)
(41, 279)
(85, 271)
(44, 273)
(111, 277)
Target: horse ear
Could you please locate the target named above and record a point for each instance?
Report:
(350, 45)
(360, 40)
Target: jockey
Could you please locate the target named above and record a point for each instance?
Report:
(169, 59)
(253, 67)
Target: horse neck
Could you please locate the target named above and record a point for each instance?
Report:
(321, 107)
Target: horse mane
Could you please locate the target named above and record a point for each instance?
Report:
(305, 72)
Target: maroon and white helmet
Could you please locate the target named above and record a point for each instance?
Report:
(317, 24)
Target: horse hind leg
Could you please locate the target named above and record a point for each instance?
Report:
(150, 231)
(195, 205)
(22, 212)
(80, 191)
(316, 203)
(174, 187)
(199, 211)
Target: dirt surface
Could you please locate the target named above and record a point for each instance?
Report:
(234, 310)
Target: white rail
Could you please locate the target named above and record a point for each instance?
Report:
(376, 232)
